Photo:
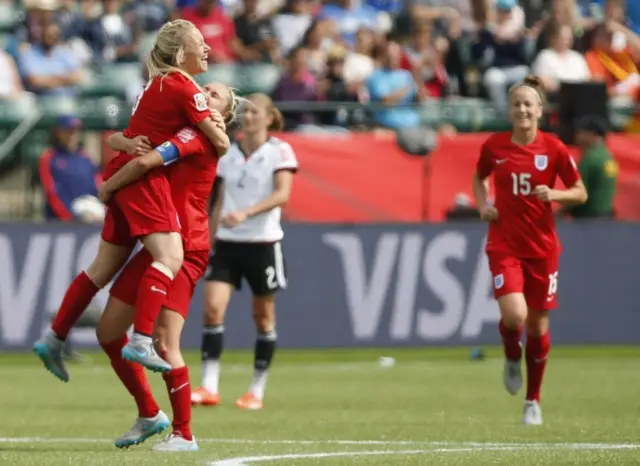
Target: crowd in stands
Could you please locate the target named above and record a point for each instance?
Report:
(394, 52)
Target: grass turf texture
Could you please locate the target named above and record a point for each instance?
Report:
(434, 407)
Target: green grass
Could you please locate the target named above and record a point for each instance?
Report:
(434, 407)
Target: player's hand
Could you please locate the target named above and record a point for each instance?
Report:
(138, 145)
(489, 213)
(544, 193)
(218, 120)
(104, 194)
(233, 219)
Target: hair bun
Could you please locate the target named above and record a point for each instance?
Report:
(533, 81)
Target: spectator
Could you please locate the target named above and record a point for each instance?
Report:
(291, 24)
(297, 84)
(424, 57)
(448, 16)
(50, 68)
(256, 34)
(316, 43)
(84, 34)
(598, 169)
(218, 30)
(359, 64)
(612, 64)
(500, 50)
(349, 16)
(67, 174)
(122, 35)
(564, 13)
(334, 88)
(560, 63)
(10, 84)
(394, 87)
(38, 13)
(149, 15)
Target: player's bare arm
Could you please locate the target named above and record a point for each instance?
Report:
(283, 182)
(135, 146)
(213, 127)
(488, 213)
(575, 195)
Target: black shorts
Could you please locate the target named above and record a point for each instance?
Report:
(262, 264)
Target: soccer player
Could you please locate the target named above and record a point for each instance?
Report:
(170, 101)
(254, 181)
(522, 245)
(191, 180)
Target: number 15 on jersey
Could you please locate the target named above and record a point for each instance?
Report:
(521, 184)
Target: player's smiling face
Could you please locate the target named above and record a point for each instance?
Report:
(218, 97)
(196, 53)
(526, 108)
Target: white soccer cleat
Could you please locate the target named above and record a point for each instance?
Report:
(142, 429)
(512, 375)
(174, 442)
(532, 413)
(140, 350)
(50, 350)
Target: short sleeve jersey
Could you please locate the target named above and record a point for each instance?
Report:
(165, 106)
(191, 180)
(525, 227)
(249, 180)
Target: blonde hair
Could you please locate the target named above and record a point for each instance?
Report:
(534, 83)
(234, 102)
(277, 122)
(168, 51)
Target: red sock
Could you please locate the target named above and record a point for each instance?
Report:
(152, 294)
(179, 390)
(536, 356)
(511, 342)
(133, 378)
(75, 301)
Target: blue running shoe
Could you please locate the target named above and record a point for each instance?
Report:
(142, 429)
(174, 442)
(140, 350)
(50, 351)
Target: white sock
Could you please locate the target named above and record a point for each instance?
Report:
(259, 383)
(211, 375)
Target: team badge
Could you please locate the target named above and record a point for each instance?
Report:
(186, 134)
(201, 102)
(541, 162)
(498, 281)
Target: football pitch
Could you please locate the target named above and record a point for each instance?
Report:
(340, 407)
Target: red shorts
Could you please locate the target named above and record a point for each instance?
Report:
(194, 265)
(537, 279)
(139, 209)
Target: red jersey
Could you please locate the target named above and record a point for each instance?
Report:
(525, 227)
(191, 178)
(165, 106)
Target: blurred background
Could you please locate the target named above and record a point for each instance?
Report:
(386, 105)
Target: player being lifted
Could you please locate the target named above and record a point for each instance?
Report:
(254, 181)
(144, 210)
(522, 245)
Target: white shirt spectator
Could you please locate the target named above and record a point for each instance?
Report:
(357, 68)
(570, 66)
(10, 85)
(290, 29)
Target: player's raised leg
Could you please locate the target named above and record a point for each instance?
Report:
(111, 332)
(168, 331)
(167, 252)
(265, 347)
(83, 288)
(217, 296)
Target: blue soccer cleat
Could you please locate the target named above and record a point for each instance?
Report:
(50, 350)
(142, 429)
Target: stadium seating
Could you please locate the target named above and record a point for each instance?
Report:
(9, 16)
(111, 81)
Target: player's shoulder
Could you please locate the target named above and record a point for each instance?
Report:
(279, 144)
(552, 141)
(178, 82)
(281, 152)
(496, 141)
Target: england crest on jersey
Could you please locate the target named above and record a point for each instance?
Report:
(541, 162)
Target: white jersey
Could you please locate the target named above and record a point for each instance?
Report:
(249, 180)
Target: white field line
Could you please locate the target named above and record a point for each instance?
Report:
(245, 461)
(568, 446)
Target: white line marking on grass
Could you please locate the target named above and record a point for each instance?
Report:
(245, 461)
(568, 446)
